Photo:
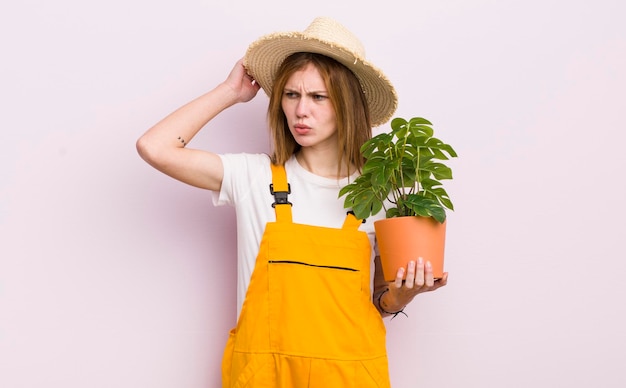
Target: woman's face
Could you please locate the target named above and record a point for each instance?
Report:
(308, 109)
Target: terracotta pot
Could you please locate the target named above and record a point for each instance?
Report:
(402, 239)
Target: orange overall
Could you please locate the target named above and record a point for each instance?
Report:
(308, 318)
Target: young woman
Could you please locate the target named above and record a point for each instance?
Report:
(311, 296)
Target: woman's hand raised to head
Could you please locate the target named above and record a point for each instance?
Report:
(241, 83)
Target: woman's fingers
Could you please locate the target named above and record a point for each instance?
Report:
(411, 280)
(399, 276)
(419, 273)
(429, 278)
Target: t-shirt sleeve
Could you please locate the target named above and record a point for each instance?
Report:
(240, 171)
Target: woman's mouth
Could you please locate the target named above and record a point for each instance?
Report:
(301, 129)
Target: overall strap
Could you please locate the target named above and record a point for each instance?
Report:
(351, 222)
(280, 189)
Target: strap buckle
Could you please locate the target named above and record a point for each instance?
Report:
(280, 197)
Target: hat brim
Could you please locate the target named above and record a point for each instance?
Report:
(264, 57)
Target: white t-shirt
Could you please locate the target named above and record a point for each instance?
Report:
(245, 186)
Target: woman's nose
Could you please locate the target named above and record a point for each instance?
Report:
(302, 107)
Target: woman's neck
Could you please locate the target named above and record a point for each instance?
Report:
(322, 164)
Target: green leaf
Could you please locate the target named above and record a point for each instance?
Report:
(439, 214)
(419, 120)
(398, 122)
(429, 183)
(426, 207)
(438, 154)
(449, 150)
(442, 172)
(422, 131)
(392, 212)
(380, 177)
(345, 190)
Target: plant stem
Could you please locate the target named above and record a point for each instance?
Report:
(402, 186)
(417, 168)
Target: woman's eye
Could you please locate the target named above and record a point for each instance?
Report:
(291, 94)
(319, 97)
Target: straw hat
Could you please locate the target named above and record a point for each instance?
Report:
(328, 37)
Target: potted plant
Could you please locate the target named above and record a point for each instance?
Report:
(402, 175)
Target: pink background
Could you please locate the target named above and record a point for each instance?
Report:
(113, 275)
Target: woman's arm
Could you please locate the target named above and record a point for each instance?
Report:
(163, 145)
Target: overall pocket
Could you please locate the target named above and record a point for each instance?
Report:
(315, 310)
